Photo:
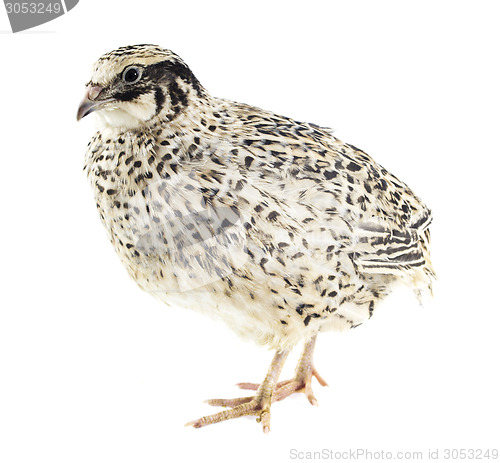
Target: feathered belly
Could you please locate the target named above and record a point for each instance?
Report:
(271, 308)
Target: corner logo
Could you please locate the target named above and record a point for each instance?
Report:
(27, 14)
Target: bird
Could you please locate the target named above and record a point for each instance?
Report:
(271, 225)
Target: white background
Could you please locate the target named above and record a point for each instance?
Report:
(94, 370)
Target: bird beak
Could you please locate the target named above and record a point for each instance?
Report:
(90, 102)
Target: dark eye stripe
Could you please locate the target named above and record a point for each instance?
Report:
(130, 94)
(159, 100)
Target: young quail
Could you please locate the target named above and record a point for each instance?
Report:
(271, 225)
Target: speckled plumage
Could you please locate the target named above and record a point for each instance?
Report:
(273, 226)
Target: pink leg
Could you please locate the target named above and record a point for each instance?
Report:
(259, 405)
(302, 380)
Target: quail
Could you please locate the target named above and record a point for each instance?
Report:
(271, 225)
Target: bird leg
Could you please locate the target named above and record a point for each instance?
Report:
(302, 380)
(259, 405)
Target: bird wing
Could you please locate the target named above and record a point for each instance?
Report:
(387, 223)
(383, 248)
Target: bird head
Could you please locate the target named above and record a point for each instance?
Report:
(137, 85)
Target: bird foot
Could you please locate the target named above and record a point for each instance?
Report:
(301, 383)
(244, 406)
(259, 405)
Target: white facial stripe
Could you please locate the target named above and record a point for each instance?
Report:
(128, 114)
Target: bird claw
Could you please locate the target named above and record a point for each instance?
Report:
(258, 406)
(301, 383)
(267, 392)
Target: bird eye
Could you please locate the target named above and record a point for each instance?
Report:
(131, 74)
